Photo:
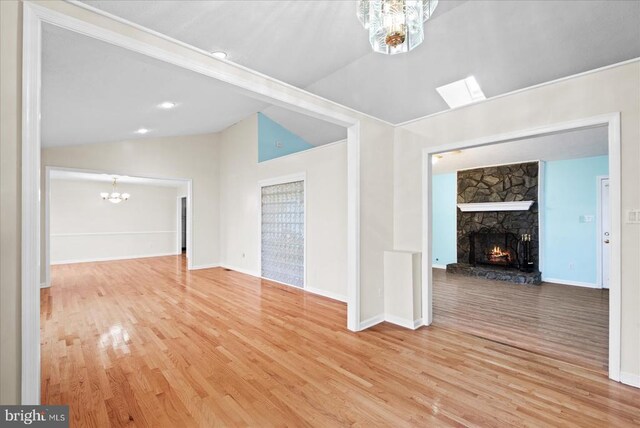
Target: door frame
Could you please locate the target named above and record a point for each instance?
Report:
(612, 121)
(599, 243)
(119, 32)
(47, 213)
(179, 226)
(289, 178)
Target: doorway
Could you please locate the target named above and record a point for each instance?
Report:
(183, 224)
(612, 121)
(155, 242)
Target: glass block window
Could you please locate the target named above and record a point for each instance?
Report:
(283, 233)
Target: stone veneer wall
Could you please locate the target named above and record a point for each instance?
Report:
(505, 183)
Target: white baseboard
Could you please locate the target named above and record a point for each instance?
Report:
(371, 322)
(568, 282)
(209, 266)
(403, 322)
(438, 266)
(109, 259)
(241, 270)
(324, 293)
(329, 294)
(630, 379)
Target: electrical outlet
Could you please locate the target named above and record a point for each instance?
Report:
(572, 266)
(380, 292)
(243, 255)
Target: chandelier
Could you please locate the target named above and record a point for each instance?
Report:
(114, 197)
(395, 26)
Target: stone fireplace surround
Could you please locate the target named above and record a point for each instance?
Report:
(504, 183)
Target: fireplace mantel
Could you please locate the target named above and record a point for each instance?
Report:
(496, 206)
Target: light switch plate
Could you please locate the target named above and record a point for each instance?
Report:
(633, 216)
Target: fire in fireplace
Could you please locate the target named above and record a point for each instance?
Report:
(489, 247)
(499, 256)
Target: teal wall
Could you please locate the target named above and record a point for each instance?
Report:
(444, 190)
(270, 133)
(570, 245)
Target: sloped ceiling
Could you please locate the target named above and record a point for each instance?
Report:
(95, 92)
(321, 46)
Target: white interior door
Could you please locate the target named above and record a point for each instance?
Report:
(605, 228)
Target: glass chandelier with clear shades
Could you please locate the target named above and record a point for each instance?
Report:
(114, 197)
(395, 26)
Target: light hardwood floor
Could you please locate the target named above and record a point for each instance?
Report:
(147, 343)
(564, 322)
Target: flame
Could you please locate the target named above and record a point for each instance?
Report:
(497, 254)
(497, 251)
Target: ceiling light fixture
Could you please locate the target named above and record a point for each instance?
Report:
(142, 131)
(437, 157)
(219, 54)
(461, 92)
(395, 26)
(114, 197)
(167, 105)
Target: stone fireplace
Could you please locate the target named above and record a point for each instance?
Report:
(494, 249)
(497, 223)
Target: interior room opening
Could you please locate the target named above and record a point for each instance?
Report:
(520, 246)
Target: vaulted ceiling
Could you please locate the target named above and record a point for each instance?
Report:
(96, 92)
(321, 46)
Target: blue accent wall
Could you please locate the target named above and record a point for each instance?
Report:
(570, 244)
(271, 135)
(443, 197)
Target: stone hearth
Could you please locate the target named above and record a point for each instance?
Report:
(496, 273)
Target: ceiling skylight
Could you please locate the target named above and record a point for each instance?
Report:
(461, 92)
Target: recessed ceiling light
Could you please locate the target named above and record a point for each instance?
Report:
(167, 105)
(219, 54)
(461, 92)
(142, 131)
(435, 159)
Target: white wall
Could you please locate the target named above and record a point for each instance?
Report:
(190, 157)
(326, 198)
(83, 227)
(10, 202)
(132, 157)
(606, 91)
(376, 214)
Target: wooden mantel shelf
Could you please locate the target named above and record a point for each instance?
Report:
(496, 206)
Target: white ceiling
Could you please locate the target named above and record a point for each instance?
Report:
(95, 92)
(58, 174)
(568, 145)
(321, 46)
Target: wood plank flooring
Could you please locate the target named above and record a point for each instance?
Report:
(564, 322)
(147, 343)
